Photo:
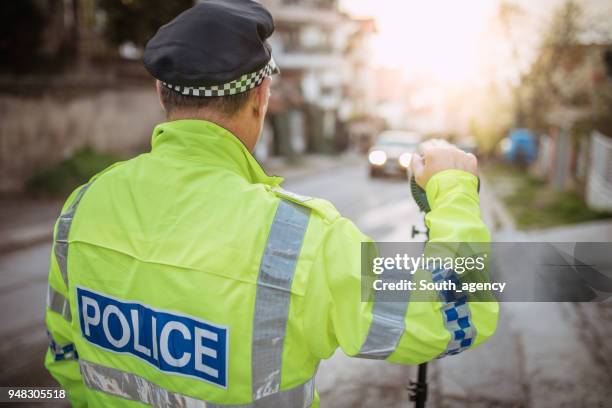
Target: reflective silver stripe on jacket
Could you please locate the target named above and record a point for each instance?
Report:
(63, 230)
(274, 294)
(58, 303)
(55, 300)
(136, 388)
(386, 328)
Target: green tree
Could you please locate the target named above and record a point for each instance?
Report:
(559, 48)
(138, 20)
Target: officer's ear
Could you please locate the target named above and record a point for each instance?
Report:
(159, 96)
(261, 97)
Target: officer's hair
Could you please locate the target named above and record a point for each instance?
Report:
(227, 105)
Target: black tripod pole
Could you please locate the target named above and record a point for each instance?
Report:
(418, 388)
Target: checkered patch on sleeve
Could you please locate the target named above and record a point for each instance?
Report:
(242, 84)
(456, 314)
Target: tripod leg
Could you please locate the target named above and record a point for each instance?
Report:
(418, 388)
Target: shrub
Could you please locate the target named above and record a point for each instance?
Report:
(61, 179)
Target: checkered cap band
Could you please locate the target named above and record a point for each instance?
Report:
(242, 84)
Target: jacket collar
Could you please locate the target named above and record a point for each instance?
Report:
(208, 143)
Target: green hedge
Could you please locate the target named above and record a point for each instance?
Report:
(61, 179)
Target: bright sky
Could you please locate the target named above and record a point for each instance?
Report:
(449, 40)
(457, 48)
(446, 49)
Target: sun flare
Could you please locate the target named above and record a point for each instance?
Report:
(437, 38)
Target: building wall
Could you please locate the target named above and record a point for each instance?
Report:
(310, 45)
(599, 187)
(38, 132)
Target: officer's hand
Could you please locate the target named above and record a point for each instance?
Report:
(439, 155)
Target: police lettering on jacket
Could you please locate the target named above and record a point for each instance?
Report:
(171, 342)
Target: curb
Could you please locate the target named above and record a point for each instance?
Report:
(499, 216)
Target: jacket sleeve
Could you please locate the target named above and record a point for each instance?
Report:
(61, 358)
(455, 218)
(409, 333)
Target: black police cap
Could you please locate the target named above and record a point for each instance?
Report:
(216, 48)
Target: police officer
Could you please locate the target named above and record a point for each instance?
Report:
(188, 277)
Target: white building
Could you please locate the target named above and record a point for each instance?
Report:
(311, 47)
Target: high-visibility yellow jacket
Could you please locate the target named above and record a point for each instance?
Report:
(187, 277)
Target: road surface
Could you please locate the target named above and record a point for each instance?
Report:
(542, 354)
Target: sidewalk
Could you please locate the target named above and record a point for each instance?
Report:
(592, 231)
(25, 221)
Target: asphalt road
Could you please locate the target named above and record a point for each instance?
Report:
(23, 283)
(542, 354)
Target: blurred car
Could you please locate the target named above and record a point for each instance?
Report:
(392, 153)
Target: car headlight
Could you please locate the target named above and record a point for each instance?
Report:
(405, 159)
(377, 157)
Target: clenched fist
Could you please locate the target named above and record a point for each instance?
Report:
(439, 155)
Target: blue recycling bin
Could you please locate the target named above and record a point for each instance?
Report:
(523, 147)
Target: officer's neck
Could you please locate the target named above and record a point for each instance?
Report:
(244, 125)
